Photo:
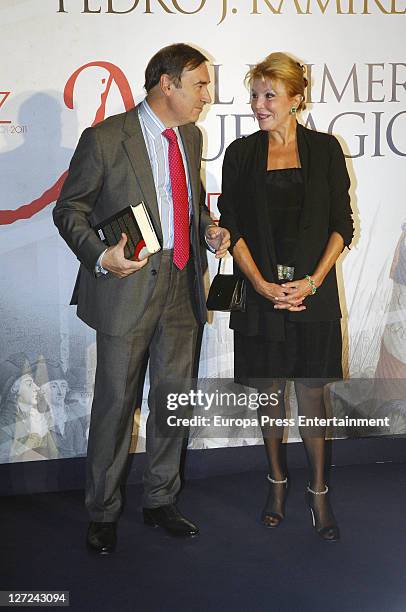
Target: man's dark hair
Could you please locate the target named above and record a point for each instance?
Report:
(172, 61)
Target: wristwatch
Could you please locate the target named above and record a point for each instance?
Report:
(98, 269)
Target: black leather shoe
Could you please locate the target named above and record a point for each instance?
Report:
(101, 537)
(170, 519)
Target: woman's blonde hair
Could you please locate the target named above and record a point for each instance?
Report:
(280, 66)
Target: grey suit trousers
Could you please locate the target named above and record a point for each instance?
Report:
(168, 329)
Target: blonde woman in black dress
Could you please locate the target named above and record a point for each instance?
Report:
(285, 202)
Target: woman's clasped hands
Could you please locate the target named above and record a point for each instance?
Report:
(287, 296)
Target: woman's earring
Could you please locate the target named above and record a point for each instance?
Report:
(293, 110)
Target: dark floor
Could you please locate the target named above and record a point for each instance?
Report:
(235, 564)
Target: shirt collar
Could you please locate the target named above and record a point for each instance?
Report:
(151, 121)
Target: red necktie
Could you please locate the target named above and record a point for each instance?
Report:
(180, 201)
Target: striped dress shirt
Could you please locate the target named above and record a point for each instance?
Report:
(157, 148)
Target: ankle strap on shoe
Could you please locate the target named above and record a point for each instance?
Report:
(317, 492)
(284, 481)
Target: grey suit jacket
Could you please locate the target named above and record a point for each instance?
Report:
(110, 169)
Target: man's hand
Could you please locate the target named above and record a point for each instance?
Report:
(219, 239)
(115, 262)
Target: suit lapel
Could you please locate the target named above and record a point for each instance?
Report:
(136, 150)
(193, 166)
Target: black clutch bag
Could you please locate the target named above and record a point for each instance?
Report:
(227, 292)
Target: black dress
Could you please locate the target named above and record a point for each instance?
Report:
(311, 349)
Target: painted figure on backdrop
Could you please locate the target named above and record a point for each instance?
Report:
(23, 424)
(392, 359)
(67, 431)
(156, 305)
(285, 201)
(391, 369)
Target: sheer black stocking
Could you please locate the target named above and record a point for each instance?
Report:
(311, 405)
(274, 510)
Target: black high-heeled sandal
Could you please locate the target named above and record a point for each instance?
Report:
(329, 532)
(270, 517)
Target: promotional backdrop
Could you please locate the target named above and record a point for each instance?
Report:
(67, 64)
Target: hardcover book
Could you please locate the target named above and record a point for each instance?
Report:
(135, 222)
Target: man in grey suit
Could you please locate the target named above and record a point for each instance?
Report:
(155, 306)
